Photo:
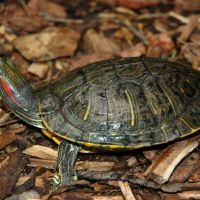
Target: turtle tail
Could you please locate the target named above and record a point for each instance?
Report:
(18, 95)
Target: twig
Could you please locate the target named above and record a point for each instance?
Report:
(9, 122)
(193, 21)
(59, 19)
(136, 32)
(151, 15)
(23, 4)
(179, 17)
(168, 187)
(133, 29)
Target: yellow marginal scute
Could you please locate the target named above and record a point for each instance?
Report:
(51, 136)
(108, 147)
(89, 145)
(193, 130)
(111, 147)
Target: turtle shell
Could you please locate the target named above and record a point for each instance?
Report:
(123, 103)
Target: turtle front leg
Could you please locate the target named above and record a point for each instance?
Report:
(67, 154)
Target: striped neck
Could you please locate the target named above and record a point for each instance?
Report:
(18, 95)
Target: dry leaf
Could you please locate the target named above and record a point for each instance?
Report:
(97, 42)
(35, 7)
(132, 4)
(154, 51)
(161, 25)
(4, 116)
(189, 28)
(49, 44)
(20, 62)
(81, 61)
(16, 17)
(191, 51)
(137, 4)
(124, 33)
(162, 40)
(195, 37)
(196, 64)
(110, 2)
(135, 51)
(188, 5)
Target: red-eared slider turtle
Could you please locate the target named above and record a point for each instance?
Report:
(112, 105)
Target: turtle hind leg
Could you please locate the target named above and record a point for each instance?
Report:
(67, 154)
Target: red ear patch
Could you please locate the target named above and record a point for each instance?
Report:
(8, 91)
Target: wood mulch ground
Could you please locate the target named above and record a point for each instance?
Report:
(50, 37)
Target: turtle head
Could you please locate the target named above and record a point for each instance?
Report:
(18, 95)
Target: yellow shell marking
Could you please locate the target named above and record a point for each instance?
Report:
(87, 111)
(166, 92)
(165, 134)
(131, 107)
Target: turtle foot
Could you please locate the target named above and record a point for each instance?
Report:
(57, 185)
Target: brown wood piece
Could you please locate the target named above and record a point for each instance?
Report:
(126, 190)
(80, 165)
(42, 152)
(10, 170)
(196, 175)
(162, 167)
(186, 168)
(10, 136)
(189, 195)
(6, 139)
